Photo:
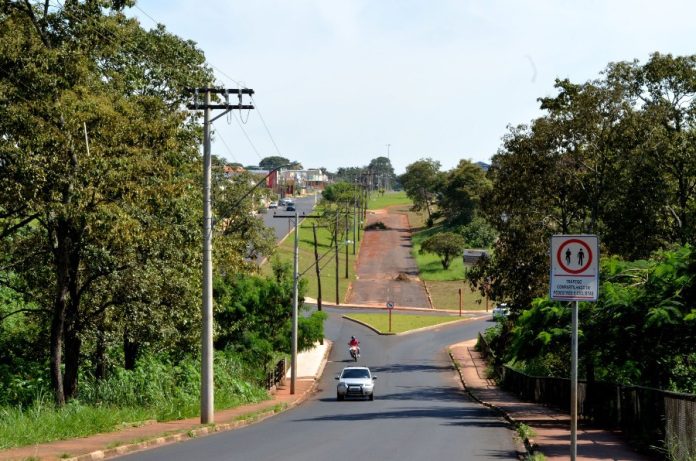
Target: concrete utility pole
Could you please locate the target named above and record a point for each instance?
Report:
(207, 383)
(295, 301)
(295, 280)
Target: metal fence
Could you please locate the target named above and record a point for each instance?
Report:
(277, 376)
(651, 419)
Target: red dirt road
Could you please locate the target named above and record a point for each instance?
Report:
(384, 254)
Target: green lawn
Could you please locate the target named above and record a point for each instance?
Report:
(401, 322)
(377, 201)
(429, 264)
(327, 262)
(445, 295)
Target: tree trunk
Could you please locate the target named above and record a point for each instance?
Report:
(60, 252)
(130, 351)
(100, 354)
(73, 344)
(56, 348)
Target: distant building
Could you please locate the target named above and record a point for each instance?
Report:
(483, 166)
(230, 170)
(294, 182)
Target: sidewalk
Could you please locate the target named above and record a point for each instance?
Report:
(552, 427)
(151, 433)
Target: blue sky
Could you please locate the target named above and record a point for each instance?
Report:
(338, 80)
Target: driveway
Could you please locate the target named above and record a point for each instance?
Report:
(386, 271)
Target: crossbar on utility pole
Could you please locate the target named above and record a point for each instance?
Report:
(207, 352)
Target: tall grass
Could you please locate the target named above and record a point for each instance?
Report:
(156, 389)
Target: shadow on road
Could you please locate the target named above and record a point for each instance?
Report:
(410, 368)
(461, 417)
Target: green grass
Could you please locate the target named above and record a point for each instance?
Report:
(154, 391)
(327, 263)
(445, 295)
(429, 264)
(377, 201)
(42, 422)
(400, 322)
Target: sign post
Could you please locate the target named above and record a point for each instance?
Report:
(390, 306)
(574, 277)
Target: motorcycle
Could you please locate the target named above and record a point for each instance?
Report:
(354, 353)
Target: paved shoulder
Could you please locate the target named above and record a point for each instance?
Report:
(552, 428)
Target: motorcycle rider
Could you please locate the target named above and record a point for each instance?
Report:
(354, 343)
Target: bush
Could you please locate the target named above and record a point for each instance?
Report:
(173, 389)
(377, 225)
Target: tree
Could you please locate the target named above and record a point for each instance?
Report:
(421, 181)
(446, 245)
(382, 173)
(478, 233)
(276, 161)
(253, 314)
(349, 174)
(666, 89)
(96, 214)
(461, 192)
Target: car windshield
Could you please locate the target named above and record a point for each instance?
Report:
(351, 374)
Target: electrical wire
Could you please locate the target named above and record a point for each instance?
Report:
(239, 83)
(136, 48)
(247, 136)
(218, 134)
(258, 111)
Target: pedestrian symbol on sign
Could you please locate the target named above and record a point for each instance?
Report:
(574, 267)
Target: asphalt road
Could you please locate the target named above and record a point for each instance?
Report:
(282, 226)
(419, 411)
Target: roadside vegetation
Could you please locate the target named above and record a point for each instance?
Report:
(611, 156)
(337, 225)
(401, 322)
(384, 199)
(100, 233)
(158, 390)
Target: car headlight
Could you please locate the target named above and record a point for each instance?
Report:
(342, 385)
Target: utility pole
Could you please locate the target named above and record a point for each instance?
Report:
(336, 256)
(207, 382)
(346, 242)
(295, 282)
(316, 266)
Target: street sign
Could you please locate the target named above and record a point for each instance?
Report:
(574, 267)
(390, 304)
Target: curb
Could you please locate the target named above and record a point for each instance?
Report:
(417, 330)
(207, 430)
(529, 445)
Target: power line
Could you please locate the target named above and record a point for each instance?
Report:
(224, 143)
(266, 127)
(247, 136)
(241, 85)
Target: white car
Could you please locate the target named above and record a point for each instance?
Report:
(355, 382)
(273, 205)
(501, 311)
